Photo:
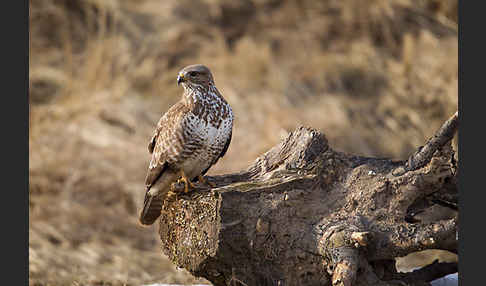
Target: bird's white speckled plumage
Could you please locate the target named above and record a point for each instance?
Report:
(210, 137)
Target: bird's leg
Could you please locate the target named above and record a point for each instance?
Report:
(173, 186)
(204, 181)
(172, 192)
(186, 181)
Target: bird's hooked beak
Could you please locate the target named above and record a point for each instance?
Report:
(180, 78)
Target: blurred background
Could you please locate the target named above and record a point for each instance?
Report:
(377, 77)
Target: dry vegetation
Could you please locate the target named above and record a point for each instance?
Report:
(377, 77)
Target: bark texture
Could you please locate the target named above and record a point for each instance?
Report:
(305, 214)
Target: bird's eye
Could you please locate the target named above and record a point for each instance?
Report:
(192, 74)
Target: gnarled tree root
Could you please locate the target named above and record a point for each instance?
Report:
(304, 214)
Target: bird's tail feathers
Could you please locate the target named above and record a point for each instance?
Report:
(152, 206)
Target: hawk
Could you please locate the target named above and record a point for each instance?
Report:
(189, 138)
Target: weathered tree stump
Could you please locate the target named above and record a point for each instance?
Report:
(305, 214)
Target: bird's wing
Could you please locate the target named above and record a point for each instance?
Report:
(226, 145)
(160, 146)
(153, 140)
(161, 143)
(225, 148)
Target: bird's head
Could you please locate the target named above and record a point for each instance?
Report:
(195, 75)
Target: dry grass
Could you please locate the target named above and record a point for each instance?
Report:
(377, 77)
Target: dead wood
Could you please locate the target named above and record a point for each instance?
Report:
(305, 214)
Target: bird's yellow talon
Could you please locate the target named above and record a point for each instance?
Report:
(204, 181)
(171, 194)
(187, 182)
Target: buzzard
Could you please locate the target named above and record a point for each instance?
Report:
(189, 138)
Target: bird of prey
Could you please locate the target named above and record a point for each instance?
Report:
(189, 138)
